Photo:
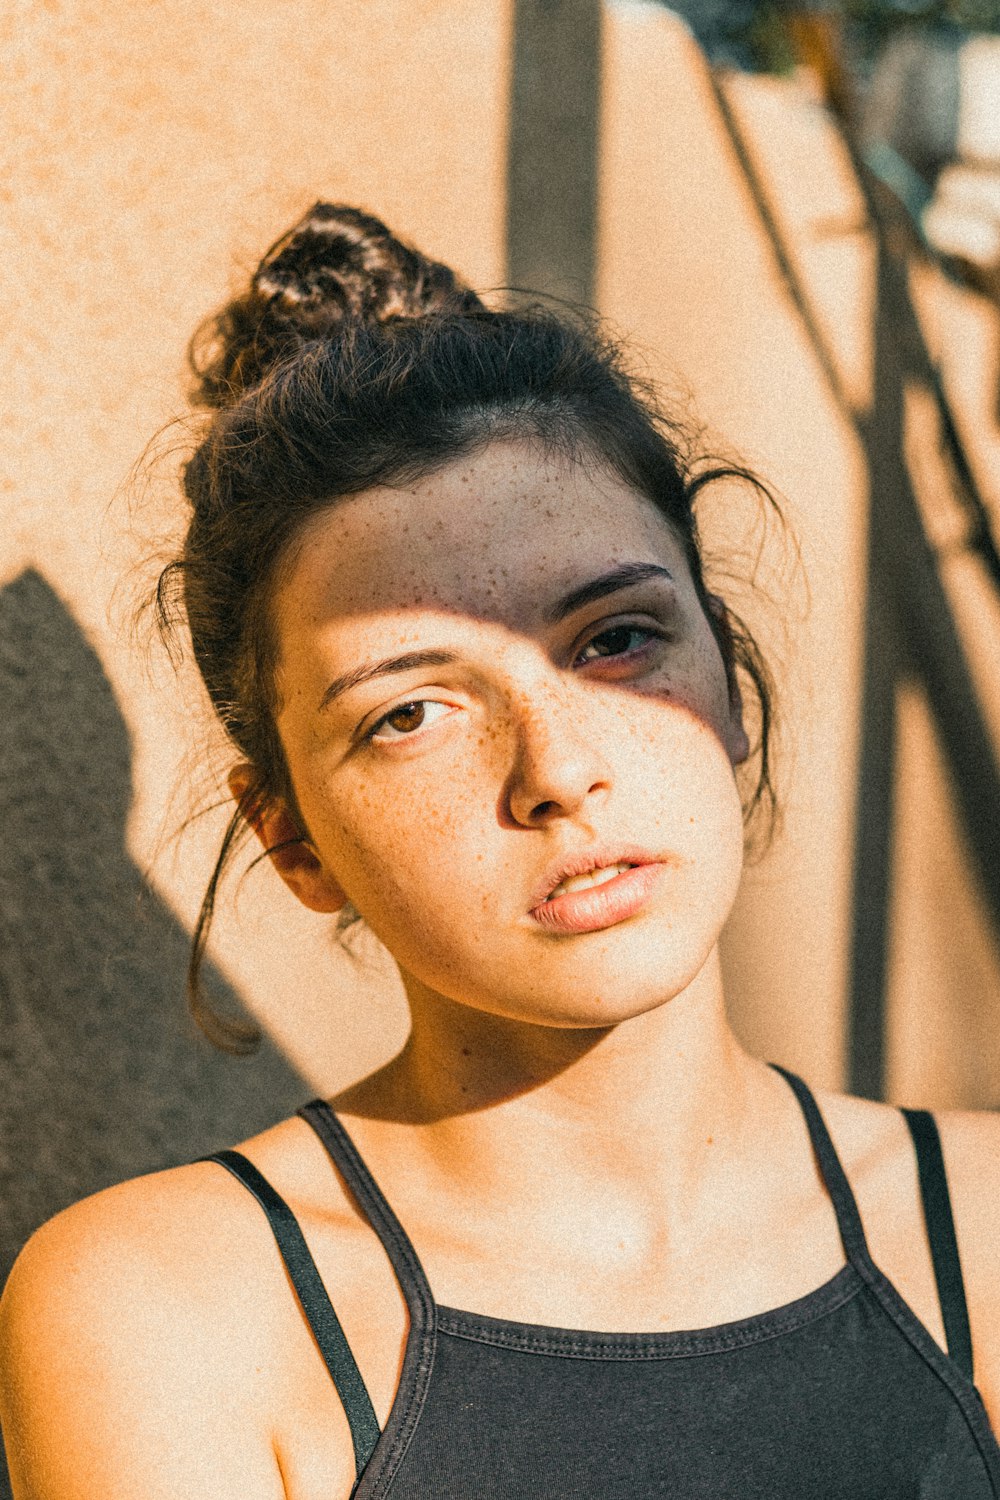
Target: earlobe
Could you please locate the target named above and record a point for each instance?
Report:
(286, 844)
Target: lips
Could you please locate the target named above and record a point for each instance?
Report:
(585, 863)
(597, 907)
(576, 883)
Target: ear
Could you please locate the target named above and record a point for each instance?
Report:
(736, 740)
(286, 844)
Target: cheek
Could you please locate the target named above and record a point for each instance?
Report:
(703, 684)
(420, 848)
(406, 841)
(684, 770)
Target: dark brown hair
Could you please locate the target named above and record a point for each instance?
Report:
(352, 361)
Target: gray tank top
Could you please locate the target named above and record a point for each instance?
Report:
(839, 1395)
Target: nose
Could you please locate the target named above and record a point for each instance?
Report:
(558, 762)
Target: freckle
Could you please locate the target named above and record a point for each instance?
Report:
(710, 1141)
(463, 1089)
(466, 1052)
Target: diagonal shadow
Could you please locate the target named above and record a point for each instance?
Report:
(102, 1074)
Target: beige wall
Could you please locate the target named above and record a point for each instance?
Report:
(944, 978)
(159, 149)
(686, 269)
(676, 215)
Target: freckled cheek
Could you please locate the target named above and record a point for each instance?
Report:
(409, 830)
(698, 683)
(680, 773)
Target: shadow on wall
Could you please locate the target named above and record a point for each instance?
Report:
(102, 1074)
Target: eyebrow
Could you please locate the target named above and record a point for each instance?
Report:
(622, 577)
(409, 662)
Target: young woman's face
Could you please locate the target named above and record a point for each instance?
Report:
(548, 689)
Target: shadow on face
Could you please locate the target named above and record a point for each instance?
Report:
(500, 666)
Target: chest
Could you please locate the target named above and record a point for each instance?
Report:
(822, 1396)
(561, 1390)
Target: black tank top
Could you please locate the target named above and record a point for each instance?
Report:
(839, 1395)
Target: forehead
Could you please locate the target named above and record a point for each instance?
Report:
(495, 536)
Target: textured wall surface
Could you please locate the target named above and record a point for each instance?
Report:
(152, 153)
(102, 1076)
(686, 269)
(676, 216)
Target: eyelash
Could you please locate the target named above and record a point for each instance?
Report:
(646, 630)
(370, 734)
(631, 627)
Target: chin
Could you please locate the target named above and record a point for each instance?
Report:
(600, 1014)
(619, 987)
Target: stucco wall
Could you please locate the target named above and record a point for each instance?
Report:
(152, 153)
(687, 270)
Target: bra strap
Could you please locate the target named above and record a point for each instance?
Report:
(841, 1193)
(316, 1304)
(941, 1235)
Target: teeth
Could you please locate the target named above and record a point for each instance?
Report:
(583, 882)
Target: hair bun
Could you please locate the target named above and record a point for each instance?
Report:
(336, 267)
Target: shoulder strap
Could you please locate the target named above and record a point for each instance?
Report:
(941, 1235)
(841, 1193)
(375, 1207)
(316, 1304)
(421, 1340)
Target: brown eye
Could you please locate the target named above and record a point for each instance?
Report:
(407, 716)
(401, 721)
(616, 641)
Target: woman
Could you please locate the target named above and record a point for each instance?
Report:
(444, 588)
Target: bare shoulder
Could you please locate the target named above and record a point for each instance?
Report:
(874, 1136)
(113, 1256)
(866, 1130)
(142, 1333)
(118, 1333)
(970, 1143)
(878, 1154)
(142, 1247)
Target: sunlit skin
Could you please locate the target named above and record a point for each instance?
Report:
(614, 725)
(578, 1087)
(573, 1134)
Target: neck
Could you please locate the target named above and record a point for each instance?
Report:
(651, 1098)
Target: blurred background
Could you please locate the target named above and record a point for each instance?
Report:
(793, 214)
